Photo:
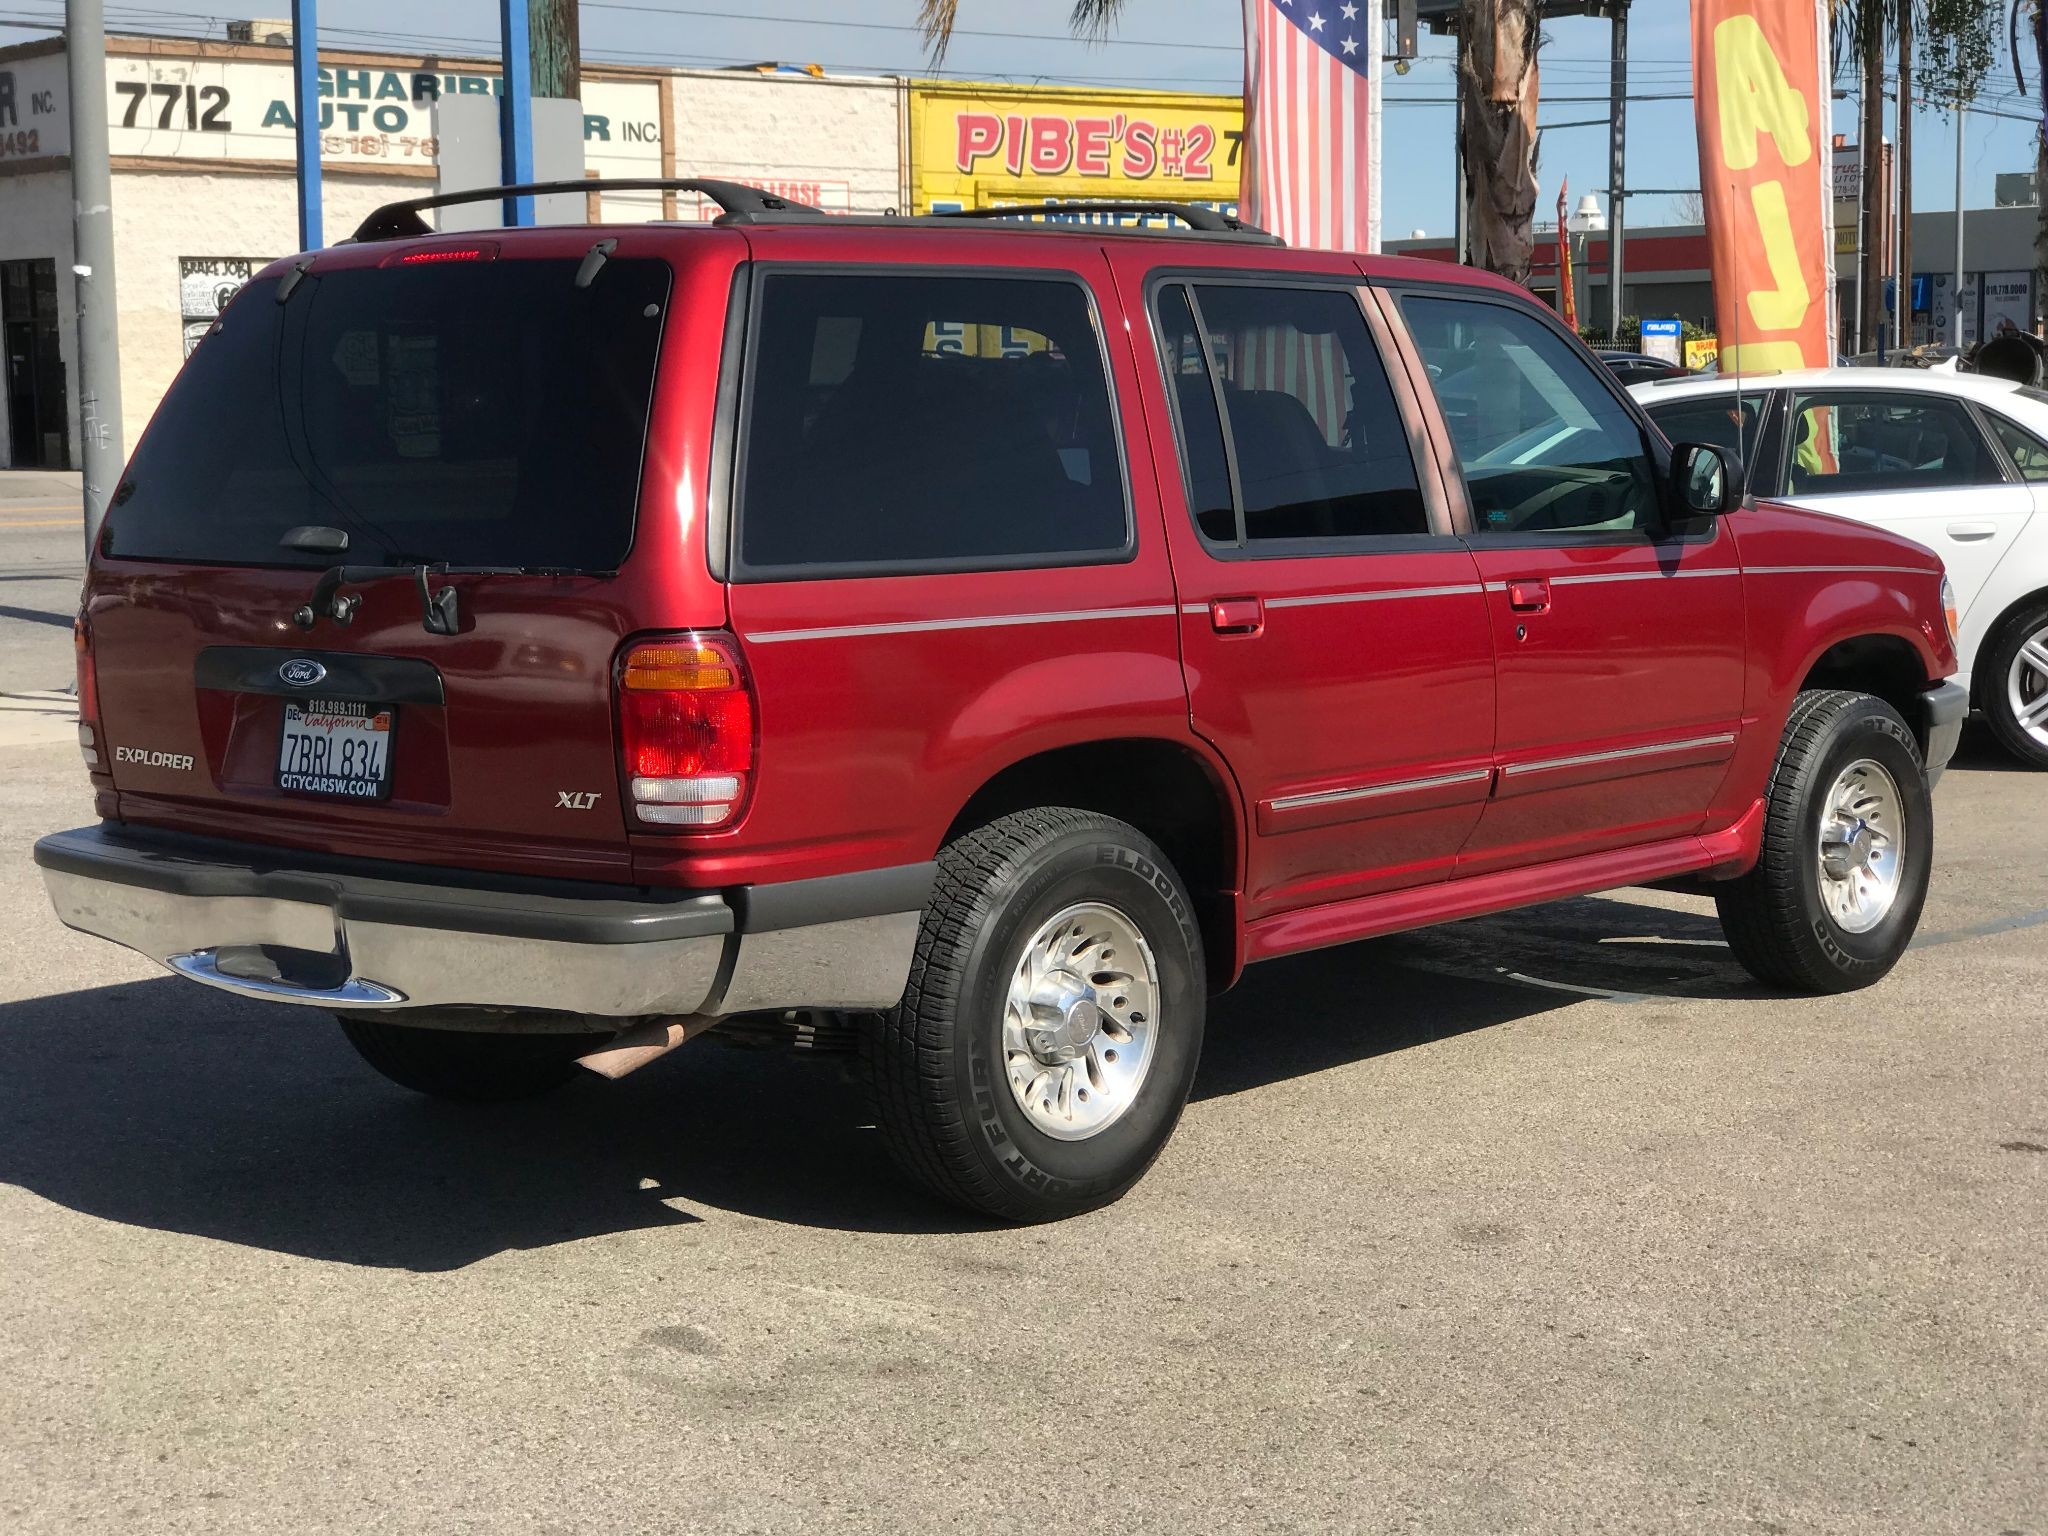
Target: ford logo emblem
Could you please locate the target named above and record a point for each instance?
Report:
(302, 672)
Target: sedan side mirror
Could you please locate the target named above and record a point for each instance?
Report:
(1706, 480)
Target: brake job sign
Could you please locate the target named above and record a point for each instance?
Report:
(977, 145)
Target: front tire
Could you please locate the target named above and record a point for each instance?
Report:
(1049, 1034)
(466, 1066)
(2014, 691)
(1847, 846)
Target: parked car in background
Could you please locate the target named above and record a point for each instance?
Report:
(1640, 367)
(1955, 461)
(539, 646)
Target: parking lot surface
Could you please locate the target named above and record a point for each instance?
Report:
(1551, 1221)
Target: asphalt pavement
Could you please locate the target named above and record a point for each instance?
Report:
(1547, 1222)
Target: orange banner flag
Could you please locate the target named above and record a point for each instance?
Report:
(1760, 77)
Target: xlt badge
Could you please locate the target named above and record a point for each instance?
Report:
(576, 799)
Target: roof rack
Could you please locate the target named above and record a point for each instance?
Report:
(1206, 221)
(739, 202)
(742, 204)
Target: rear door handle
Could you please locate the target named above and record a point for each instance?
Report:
(1236, 615)
(1530, 595)
(1971, 533)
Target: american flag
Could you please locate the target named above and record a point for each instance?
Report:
(1311, 121)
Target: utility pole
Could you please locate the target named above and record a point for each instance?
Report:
(92, 261)
(551, 30)
(1905, 173)
(1870, 233)
(1956, 299)
(1617, 170)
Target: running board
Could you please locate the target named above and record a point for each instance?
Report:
(1727, 852)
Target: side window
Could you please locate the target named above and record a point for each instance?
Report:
(1881, 440)
(1719, 419)
(1544, 445)
(1201, 429)
(1315, 437)
(1320, 449)
(904, 421)
(2027, 450)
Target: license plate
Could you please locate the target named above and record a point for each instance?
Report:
(335, 748)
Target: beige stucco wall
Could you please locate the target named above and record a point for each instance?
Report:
(836, 140)
(161, 215)
(35, 223)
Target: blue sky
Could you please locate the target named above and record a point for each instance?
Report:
(1189, 44)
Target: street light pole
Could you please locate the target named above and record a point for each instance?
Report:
(92, 261)
(1956, 300)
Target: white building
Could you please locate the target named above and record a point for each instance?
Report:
(204, 187)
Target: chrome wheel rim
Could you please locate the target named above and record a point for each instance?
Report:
(2026, 686)
(1081, 1021)
(1861, 846)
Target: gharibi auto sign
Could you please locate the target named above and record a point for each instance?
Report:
(35, 117)
(240, 109)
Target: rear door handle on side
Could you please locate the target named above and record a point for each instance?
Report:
(1972, 533)
(1236, 615)
(1529, 595)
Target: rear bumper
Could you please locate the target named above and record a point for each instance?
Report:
(351, 934)
(1942, 709)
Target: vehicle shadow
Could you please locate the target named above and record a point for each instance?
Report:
(167, 1106)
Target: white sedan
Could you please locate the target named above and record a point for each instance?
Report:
(1957, 462)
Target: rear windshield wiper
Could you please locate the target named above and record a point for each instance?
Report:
(440, 611)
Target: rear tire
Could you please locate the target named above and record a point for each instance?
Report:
(1049, 1034)
(2014, 673)
(1848, 841)
(467, 1066)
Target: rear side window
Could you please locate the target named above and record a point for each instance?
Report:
(906, 421)
(1881, 440)
(1317, 443)
(479, 413)
(2028, 452)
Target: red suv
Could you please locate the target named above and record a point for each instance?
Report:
(537, 647)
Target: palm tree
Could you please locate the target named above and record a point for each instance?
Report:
(1090, 18)
(1497, 81)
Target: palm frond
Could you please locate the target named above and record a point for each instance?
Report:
(1093, 19)
(935, 20)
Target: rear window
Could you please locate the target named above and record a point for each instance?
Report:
(479, 413)
(906, 422)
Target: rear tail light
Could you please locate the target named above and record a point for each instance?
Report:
(88, 693)
(686, 726)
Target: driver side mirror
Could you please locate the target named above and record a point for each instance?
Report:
(1706, 481)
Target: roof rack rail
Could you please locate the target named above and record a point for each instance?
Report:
(397, 221)
(1206, 221)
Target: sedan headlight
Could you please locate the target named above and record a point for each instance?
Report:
(1948, 608)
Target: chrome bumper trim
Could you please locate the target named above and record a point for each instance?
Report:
(329, 938)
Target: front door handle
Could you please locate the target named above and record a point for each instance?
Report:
(1972, 533)
(1236, 615)
(1529, 595)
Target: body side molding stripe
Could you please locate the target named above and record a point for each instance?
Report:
(983, 621)
(1374, 791)
(1621, 754)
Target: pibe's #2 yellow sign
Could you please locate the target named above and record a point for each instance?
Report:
(984, 146)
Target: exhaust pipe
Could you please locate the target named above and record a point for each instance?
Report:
(631, 1049)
